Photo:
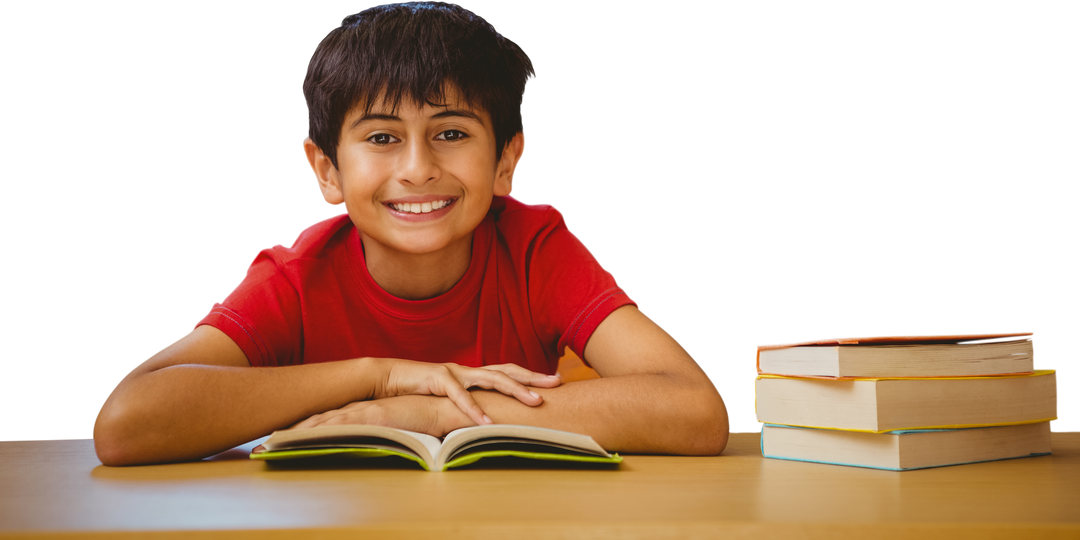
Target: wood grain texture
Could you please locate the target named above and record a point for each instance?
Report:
(59, 489)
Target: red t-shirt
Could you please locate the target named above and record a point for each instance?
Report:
(531, 289)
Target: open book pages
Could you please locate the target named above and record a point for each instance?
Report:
(461, 441)
(458, 448)
(328, 440)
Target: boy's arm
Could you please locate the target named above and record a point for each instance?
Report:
(651, 398)
(200, 396)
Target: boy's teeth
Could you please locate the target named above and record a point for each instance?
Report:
(420, 208)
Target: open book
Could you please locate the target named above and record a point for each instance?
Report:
(459, 447)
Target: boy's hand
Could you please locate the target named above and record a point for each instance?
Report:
(433, 415)
(407, 377)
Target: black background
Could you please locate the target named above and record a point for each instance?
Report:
(747, 176)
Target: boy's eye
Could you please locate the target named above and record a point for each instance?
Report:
(451, 135)
(381, 138)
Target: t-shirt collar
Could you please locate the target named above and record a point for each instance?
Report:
(466, 289)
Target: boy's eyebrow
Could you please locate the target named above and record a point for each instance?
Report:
(457, 112)
(449, 113)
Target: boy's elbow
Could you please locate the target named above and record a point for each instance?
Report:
(107, 440)
(711, 432)
(115, 441)
(109, 450)
(718, 441)
(110, 453)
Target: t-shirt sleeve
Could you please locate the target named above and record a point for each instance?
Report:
(262, 316)
(570, 293)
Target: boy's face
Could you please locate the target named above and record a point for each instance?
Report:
(417, 180)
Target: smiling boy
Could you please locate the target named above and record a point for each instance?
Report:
(438, 301)
(420, 180)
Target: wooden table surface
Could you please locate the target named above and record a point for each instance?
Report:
(60, 489)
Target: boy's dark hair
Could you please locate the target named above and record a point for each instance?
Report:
(413, 51)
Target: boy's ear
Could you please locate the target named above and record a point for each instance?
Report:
(325, 171)
(504, 170)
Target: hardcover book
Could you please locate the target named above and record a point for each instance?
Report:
(914, 356)
(905, 450)
(888, 404)
(459, 447)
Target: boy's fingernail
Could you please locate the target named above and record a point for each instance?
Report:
(487, 420)
(534, 394)
(555, 376)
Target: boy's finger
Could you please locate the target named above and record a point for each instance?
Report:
(501, 382)
(525, 376)
(491, 380)
(464, 401)
(310, 421)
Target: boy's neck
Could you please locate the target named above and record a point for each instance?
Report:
(417, 277)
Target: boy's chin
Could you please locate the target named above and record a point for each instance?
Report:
(419, 244)
(439, 247)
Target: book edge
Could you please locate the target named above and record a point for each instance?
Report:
(400, 436)
(895, 339)
(901, 470)
(838, 345)
(919, 428)
(473, 457)
(540, 435)
(1035, 373)
(282, 455)
(761, 446)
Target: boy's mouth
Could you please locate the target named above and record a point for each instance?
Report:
(420, 208)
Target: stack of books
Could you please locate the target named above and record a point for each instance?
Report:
(901, 403)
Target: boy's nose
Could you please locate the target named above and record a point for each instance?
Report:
(418, 165)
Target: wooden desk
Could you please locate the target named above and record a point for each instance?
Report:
(60, 488)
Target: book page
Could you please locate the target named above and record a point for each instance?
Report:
(513, 443)
(501, 432)
(421, 444)
(376, 443)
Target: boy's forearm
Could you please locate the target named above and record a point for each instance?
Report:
(190, 411)
(638, 413)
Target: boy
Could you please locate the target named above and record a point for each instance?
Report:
(434, 283)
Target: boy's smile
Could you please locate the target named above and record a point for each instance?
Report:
(420, 208)
(416, 182)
